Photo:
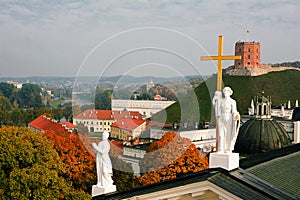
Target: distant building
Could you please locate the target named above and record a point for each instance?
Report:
(159, 98)
(101, 120)
(250, 53)
(145, 107)
(127, 129)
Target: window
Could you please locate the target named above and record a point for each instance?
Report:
(248, 56)
(249, 50)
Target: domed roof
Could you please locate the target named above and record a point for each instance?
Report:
(296, 114)
(260, 135)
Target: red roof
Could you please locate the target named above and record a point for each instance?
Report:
(68, 124)
(43, 123)
(108, 114)
(128, 124)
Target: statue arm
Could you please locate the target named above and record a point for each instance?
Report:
(96, 148)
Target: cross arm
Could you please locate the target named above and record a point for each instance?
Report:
(220, 57)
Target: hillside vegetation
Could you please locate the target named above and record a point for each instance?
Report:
(281, 86)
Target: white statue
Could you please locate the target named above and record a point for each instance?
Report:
(228, 119)
(103, 162)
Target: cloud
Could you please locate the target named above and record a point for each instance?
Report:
(57, 33)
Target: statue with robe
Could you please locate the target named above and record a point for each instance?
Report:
(228, 120)
(103, 162)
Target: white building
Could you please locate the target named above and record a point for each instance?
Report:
(146, 107)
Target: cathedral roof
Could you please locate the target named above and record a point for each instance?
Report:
(261, 135)
(281, 180)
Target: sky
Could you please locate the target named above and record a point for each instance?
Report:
(163, 38)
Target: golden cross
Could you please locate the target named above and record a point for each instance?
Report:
(219, 58)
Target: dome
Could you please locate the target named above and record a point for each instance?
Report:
(260, 135)
(296, 114)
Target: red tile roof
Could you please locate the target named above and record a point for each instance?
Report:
(128, 124)
(108, 114)
(43, 123)
(68, 124)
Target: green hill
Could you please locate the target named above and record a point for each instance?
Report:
(281, 86)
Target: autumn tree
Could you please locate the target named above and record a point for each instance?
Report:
(170, 157)
(123, 176)
(79, 163)
(30, 168)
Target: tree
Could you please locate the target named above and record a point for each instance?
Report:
(170, 157)
(5, 103)
(8, 90)
(30, 168)
(123, 176)
(29, 96)
(78, 162)
(103, 99)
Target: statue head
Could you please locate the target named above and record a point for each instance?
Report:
(227, 90)
(105, 135)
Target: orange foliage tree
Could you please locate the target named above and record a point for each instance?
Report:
(170, 157)
(79, 163)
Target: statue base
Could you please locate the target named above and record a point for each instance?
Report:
(98, 190)
(228, 161)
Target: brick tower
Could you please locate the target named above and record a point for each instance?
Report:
(250, 52)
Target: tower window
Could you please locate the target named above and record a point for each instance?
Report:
(248, 56)
(240, 50)
(249, 49)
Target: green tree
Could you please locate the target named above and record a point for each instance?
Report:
(29, 96)
(30, 168)
(123, 176)
(17, 117)
(103, 99)
(4, 117)
(8, 90)
(5, 103)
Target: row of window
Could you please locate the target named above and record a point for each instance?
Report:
(249, 50)
(92, 123)
(92, 129)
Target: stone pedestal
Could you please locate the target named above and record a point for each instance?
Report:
(98, 190)
(228, 161)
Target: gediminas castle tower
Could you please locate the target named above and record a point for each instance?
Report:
(250, 53)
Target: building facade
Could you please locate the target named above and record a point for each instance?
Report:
(101, 120)
(146, 107)
(250, 53)
(128, 129)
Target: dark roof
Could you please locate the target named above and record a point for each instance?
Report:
(260, 135)
(217, 176)
(282, 171)
(296, 114)
(271, 175)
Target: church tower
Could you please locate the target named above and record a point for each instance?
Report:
(250, 53)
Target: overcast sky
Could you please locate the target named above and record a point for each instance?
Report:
(94, 38)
